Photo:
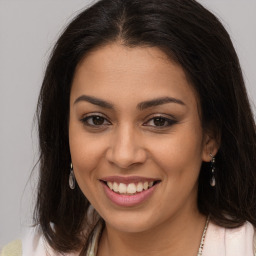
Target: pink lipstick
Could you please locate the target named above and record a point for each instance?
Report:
(128, 191)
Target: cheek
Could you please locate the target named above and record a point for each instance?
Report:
(85, 156)
(181, 153)
(84, 152)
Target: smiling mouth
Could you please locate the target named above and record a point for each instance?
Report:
(130, 188)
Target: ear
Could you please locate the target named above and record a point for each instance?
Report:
(211, 144)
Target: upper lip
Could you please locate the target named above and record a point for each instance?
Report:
(128, 179)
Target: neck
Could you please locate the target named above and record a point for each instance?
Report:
(180, 235)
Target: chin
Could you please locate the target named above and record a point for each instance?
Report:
(129, 227)
(130, 222)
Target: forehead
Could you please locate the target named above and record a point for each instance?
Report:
(122, 59)
(138, 72)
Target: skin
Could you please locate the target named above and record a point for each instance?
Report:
(130, 142)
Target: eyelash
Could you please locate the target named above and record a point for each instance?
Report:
(169, 121)
(85, 121)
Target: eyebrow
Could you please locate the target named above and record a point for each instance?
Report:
(158, 101)
(141, 106)
(95, 101)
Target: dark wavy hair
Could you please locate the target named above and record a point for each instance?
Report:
(194, 38)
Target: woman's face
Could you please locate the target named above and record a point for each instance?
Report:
(135, 137)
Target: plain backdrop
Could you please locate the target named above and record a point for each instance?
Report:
(28, 30)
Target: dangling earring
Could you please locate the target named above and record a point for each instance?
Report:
(72, 180)
(213, 181)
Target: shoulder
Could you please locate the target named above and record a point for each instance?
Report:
(14, 248)
(32, 244)
(230, 242)
(254, 242)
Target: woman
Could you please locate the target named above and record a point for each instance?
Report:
(147, 137)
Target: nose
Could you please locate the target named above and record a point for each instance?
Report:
(126, 148)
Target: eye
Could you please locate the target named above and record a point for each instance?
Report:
(160, 121)
(95, 120)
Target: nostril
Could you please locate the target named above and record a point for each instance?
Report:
(126, 155)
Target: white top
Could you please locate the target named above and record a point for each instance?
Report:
(219, 241)
(230, 242)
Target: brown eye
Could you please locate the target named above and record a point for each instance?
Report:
(95, 120)
(159, 121)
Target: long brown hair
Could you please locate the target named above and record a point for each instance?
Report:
(193, 37)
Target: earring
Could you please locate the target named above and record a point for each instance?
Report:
(72, 180)
(213, 181)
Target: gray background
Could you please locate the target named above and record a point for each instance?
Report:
(28, 30)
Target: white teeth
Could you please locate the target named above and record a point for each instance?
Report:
(122, 188)
(145, 185)
(115, 187)
(110, 185)
(139, 187)
(131, 188)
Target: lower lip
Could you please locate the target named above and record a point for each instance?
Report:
(128, 200)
